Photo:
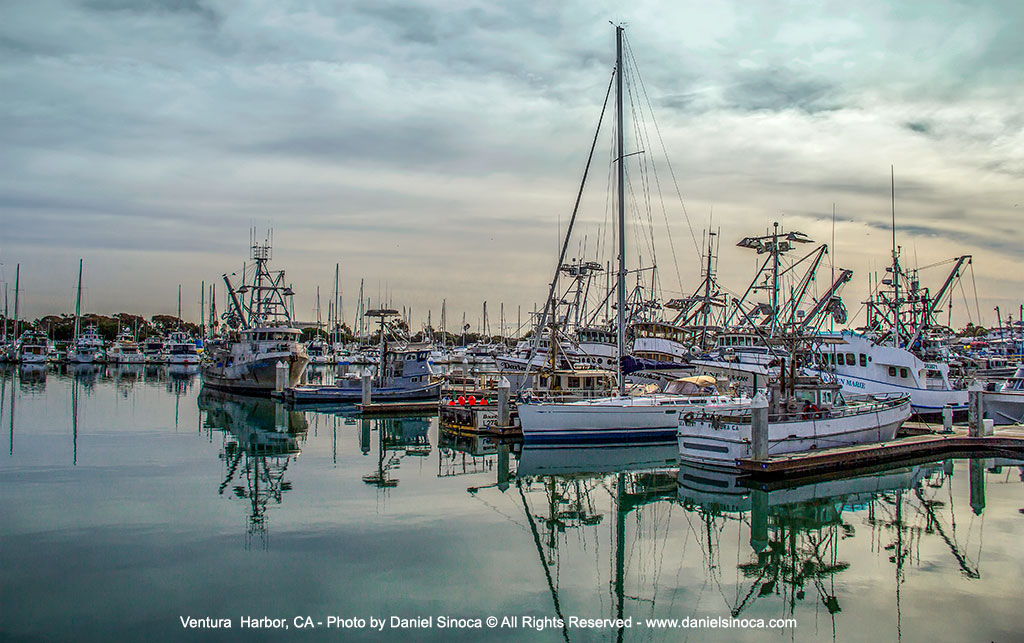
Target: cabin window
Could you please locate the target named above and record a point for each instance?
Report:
(863, 359)
(892, 371)
(903, 372)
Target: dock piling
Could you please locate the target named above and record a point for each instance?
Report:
(759, 427)
(947, 419)
(504, 416)
(367, 388)
(280, 376)
(975, 412)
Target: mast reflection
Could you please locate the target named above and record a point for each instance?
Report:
(260, 440)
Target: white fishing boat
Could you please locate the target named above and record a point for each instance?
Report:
(402, 373)
(804, 414)
(1006, 405)
(860, 364)
(125, 350)
(260, 334)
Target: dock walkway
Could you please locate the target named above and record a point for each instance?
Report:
(1007, 441)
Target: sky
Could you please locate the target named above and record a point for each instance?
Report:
(435, 149)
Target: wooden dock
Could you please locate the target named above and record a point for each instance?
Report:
(511, 433)
(922, 447)
(425, 407)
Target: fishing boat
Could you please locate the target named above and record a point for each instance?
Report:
(125, 350)
(748, 347)
(903, 347)
(860, 363)
(260, 334)
(1006, 405)
(402, 373)
(804, 414)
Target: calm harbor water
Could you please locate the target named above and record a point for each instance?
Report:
(130, 498)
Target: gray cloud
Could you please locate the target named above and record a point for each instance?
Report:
(778, 89)
(414, 138)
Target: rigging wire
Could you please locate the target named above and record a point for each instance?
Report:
(661, 139)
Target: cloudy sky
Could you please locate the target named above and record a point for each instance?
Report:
(435, 148)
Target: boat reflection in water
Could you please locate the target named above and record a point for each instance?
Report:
(32, 377)
(260, 440)
(573, 482)
(396, 438)
(771, 549)
(796, 530)
(125, 376)
(586, 460)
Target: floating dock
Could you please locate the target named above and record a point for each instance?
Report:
(424, 407)
(1008, 442)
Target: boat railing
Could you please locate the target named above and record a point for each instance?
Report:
(562, 397)
(876, 404)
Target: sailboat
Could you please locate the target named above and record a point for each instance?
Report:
(88, 344)
(620, 418)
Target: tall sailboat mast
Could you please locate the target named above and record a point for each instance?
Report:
(17, 313)
(78, 303)
(620, 153)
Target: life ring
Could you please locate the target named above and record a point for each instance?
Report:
(811, 412)
(688, 418)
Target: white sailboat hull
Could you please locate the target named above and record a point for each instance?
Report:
(611, 420)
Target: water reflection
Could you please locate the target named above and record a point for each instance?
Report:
(796, 531)
(32, 378)
(397, 438)
(260, 439)
(571, 480)
(767, 549)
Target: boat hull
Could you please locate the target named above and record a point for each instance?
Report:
(626, 422)
(353, 395)
(721, 441)
(256, 377)
(1005, 407)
